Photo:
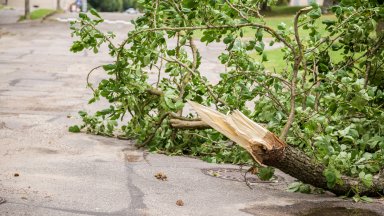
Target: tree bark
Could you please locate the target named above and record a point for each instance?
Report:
(58, 5)
(297, 164)
(326, 5)
(264, 7)
(27, 10)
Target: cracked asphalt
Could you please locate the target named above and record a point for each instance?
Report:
(45, 170)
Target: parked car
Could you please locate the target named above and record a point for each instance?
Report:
(131, 11)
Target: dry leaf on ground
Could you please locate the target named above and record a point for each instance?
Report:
(161, 176)
(179, 202)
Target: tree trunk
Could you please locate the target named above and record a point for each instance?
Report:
(267, 149)
(58, 5)
(27, 10)
(326, 6)
(297, 164)
(264, 7)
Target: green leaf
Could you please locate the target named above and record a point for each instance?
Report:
(77, 46)
(74, 129)
(109, 67)
(315, 13)
(294, 187)
(331, 176)
(305, 188)
(266, 173)
(83, 114)
(83, 15)
(367, 179)
(366, 199)
(264, 57)
(94, 13)
(282, 26)
(228, 39)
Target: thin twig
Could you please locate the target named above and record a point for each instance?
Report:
(236, 9)
(88, 76)
(297, 61)
(197, 74)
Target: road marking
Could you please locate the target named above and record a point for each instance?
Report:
(105, 21)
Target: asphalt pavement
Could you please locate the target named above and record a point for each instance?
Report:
(45, 170)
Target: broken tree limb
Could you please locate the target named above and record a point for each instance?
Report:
(188, 125)
(237, 127)
(267, 149)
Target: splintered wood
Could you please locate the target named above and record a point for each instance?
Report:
(239, 128)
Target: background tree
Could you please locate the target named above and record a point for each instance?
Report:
(327, 4)
(27, 11)
(58, 5)
(130, 4)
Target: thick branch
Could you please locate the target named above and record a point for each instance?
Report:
(155, 91)
(189, 125)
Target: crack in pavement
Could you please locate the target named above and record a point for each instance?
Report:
(137, 201)
(25, 54)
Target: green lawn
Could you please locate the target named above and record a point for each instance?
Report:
(274, 21)
(40, 13)
(277, 63)
(278, 15)
(275, 60)
(282, 10)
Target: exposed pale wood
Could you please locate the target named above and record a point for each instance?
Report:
(240, 129)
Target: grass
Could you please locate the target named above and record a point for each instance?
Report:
(277, 63)
(40, 13)
(274, 21)
(278, 15)
(282, 10)
(275, 60)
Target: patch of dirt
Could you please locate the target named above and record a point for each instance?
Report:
(132, 155)
(240, 175)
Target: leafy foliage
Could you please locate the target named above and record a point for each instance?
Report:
(332, 110)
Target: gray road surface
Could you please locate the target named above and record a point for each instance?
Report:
(45, 170)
